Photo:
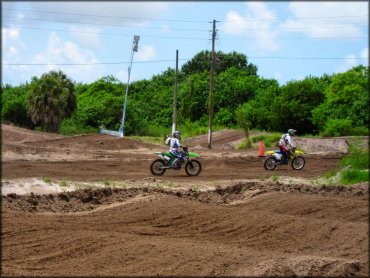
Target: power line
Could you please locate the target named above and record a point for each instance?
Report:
(104, 24)
(179, 20)
(106, 16)
(180, 29)
(171, 60)
(85, 64)
(297, 38)
(300, 18)
(104, 33)
(188, 38)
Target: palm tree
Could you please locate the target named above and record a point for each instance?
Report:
(50, 99)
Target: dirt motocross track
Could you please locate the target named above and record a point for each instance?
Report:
(234, 219)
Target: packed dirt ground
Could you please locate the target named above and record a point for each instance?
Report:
(88, 205)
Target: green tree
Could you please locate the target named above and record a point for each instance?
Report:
(347, 97)
(243, 115)
(202, 63)
(100, 103)
(194, 97)
(292, 108)
(234, 87)
(14, 105)
(262, 116)
(50, 99)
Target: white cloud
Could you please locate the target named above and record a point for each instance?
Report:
(256, 23)
(278, 76)
(352, 60)
(327, 19)
(12, 45)
(365, 55)
(145, 53)
(165, 28)
(87, 36)
(122, 76)
(104, 11)
(235, 23)
(59, 52)
(13, 50)
(9, 34)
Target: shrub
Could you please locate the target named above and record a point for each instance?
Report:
(358, 161)
(352, 176)
(360, 131)
(268, 140)
(71, 127)
(337, 127)
(243, 144)
(357, 158)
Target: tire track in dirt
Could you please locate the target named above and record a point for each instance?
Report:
(243, 228)
(192, 233)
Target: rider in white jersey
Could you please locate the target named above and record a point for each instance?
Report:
(175, 145)
(286, 143)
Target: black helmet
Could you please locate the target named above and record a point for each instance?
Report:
(291, 131)
(177, 134)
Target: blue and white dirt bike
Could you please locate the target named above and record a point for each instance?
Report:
(169, 161)
(276, 158)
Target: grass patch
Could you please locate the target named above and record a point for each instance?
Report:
(107, 183)
(354, 166)
(330, 174)
(357, 161)
(191, 129)
(269, 140)
(149, 139)
(70, 127)
(123, 185)
(46, 180)
(351, 176)
(62, 183)
(243, 144)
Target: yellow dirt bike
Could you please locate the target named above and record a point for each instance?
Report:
(276, 158)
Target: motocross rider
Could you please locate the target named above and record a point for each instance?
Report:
(174, 143)
(286, 144)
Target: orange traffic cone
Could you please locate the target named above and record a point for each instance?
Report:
(261, 151)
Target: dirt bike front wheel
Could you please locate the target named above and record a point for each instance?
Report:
(270, 163)
(298, 163)
(193, 168)
(157, 167)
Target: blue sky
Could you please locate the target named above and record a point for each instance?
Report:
(286, 40)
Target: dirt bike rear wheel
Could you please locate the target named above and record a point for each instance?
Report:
(194, 168)
(298, 163)
(270, 163)
(157, 167)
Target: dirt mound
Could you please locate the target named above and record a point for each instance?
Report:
(88, 199)
(36, 139)
(13, 134)
(225, 232)
(224, 139)
(93, 142)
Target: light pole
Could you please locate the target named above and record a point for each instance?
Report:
(134, 49)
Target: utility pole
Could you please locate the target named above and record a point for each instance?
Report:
(175, 93)
(134, 49)
(212, 86)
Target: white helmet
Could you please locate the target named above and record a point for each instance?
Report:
(177, 134)
(291, 131)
